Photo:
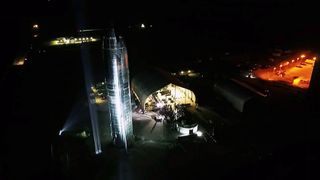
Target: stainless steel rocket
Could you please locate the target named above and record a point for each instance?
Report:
(118, 89)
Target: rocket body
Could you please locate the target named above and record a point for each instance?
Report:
(118, 89)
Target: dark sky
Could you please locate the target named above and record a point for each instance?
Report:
(264, 20)
(236, 16)
(251, 9)
(268, 12)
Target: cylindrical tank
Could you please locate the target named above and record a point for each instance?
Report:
(118, 89)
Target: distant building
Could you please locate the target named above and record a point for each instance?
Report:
(233, 93)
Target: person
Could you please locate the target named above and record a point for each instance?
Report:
(212, 134)
(212, 131)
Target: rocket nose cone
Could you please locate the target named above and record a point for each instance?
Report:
(111, 40)
(111, 33)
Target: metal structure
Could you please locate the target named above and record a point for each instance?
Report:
(118, 89)
(159, 88)
(233, 93)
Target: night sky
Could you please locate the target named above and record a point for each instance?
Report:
(263, 23)
(293, 18)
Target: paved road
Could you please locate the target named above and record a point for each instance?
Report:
(147, 128)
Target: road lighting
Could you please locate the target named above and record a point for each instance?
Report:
(35, 26)
(199, 133)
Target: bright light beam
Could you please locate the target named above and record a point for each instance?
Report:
(119, 104)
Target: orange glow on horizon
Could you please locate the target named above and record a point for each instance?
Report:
(294, 73)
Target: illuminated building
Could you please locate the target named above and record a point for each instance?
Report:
(19, 61)
(155, 88)
(71, 41)
(296, 73)
(118, 90)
